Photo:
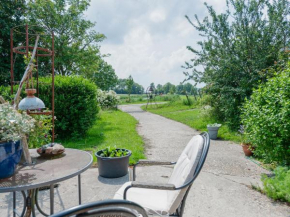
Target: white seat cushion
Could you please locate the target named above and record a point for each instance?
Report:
(154, 201)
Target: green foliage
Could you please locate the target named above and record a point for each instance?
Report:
(76, 43)
(188, 101)
(237, 45)
(278, 187)
(11, 15)
(266, 118)
(129, 85)
(105, 78)
(41, 134)
(112, 128)
(121, 87)
(113, 152)
(75, 104)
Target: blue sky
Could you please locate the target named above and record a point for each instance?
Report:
(148, 39)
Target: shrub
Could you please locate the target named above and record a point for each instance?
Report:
(108, 99)
(188, 101)
(75, 102)
(277, 187)
(266, 118)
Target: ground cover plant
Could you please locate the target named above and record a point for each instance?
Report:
(195, 116)
(112, 128)
(278, 186)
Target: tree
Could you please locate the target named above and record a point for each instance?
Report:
(129, 84)
(237, 46)
(105, 77)
(159, 88)
(76, 44)
(167, 87)
(11, 15)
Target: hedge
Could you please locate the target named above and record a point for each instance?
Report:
(266, 118)
(76, 105)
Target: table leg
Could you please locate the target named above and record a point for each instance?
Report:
(80, 189)
(33, 202)
(14, 204)
(51, 199)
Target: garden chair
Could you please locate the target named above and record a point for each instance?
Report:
(169, 199)
(118, 208)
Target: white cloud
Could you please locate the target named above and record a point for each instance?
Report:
(148, 39)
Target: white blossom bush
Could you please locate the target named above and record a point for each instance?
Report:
(13, 125)
(108, 99)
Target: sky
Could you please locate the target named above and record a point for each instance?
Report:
(148, 38)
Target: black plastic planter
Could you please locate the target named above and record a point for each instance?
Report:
(113, 167)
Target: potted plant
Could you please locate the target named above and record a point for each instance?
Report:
(246, 145)
(213, 130)
(113, 162)
(13, 126)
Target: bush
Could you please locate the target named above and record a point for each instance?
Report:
(108, 99)
(75, 102)
(277, 187)
(188, 101)
(266, 118)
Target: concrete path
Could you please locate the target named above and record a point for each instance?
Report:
(223, 188)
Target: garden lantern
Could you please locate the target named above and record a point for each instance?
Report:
(31, 102)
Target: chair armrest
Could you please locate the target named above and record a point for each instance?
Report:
(160, 186)
(157, 186)
(149, 163)
(155, 162)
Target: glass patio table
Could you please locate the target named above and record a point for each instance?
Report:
(45, 172)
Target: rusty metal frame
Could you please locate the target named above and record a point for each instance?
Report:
(24, 50)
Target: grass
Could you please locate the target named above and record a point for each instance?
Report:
(112, 128)
(193, 116)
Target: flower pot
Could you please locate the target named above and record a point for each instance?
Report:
(247, 149)
(10, 155)
(113, 167)
(213, 132)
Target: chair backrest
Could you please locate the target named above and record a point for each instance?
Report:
(187, 168)
(122, 208)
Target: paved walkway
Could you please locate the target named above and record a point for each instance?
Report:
(223, 188)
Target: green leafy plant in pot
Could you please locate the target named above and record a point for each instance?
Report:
(213, 130)
(13, 127)
(113, 162)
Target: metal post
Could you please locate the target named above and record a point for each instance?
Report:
(52, 70)
(14, 204)
(51, 198)
(80, 189)
(26, 31)
(11, 60)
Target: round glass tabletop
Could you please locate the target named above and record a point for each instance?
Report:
(47, 171)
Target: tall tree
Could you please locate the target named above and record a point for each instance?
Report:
(237, 46)
(76, 44)
(129, 85)
(105, 77)
(11, 15)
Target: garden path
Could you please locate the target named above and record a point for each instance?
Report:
(223, 187)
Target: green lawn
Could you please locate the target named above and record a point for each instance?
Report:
(112, 128)
(192, 116)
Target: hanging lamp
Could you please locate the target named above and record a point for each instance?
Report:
(31, 102)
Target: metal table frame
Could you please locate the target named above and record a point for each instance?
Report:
(32, 192)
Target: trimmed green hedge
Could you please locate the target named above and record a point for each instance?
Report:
(75, 102)
(266, 117)
(76, 105)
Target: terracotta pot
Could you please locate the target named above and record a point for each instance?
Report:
(247, 150)
(30, 92)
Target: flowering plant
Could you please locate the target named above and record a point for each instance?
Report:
(13, 125)
(108, 99)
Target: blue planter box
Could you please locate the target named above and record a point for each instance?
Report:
(10, 155)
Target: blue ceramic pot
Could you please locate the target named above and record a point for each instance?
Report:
(10, 155)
